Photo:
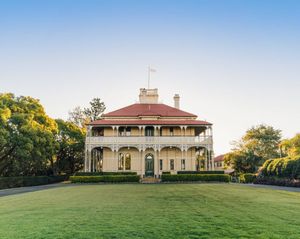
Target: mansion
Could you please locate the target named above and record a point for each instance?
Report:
(149, 138)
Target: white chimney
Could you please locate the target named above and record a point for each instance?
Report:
(176, 101)
(148, 96)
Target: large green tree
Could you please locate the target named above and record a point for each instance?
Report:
(27, 142)
(256, 146)
(70, 153)
(291, 147)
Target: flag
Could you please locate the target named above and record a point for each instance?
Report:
(151, 69)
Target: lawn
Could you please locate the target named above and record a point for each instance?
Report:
(151, 211)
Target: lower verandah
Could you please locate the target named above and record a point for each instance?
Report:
(170, 159)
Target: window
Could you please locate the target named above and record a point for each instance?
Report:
(149, 131)
(182, 164)
(172, 131)
(160, 164)
(127, 162)
(98, 132)
(160, 131)
(128, 131)
(124, 161)
(121, 131)
(171, 164)
(120, 161)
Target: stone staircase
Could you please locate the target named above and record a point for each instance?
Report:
(150, 180)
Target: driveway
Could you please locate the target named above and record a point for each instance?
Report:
(290, 189)
(12, 191)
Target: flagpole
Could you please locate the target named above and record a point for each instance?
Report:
(148, 77)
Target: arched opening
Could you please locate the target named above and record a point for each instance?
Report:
(201, 159)
(124, 161)
(127, 161)
(97, 160)
(149, 165)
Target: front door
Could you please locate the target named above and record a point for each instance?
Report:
(149, 165)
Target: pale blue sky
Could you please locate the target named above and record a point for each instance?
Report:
(234, 63)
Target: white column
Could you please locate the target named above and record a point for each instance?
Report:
(115, 159)
(86, 160)
(173, 150)
(186, 160)
(181, 150)
(206, 159)
(143, 162)
(209, 161)
(212, 161)
(212, 149)
(89, 160)
(156, 164)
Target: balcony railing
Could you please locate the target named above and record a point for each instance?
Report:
(163, 140)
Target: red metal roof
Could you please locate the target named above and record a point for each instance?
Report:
(136, 110)
(149, 122)
(219, 158)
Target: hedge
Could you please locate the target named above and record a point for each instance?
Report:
(14, 182)
(166, 172)
(105, 179)
(201, 172)
(195, 177)
(282, 168)
(278, 181)
(247, 178)
(103, 173)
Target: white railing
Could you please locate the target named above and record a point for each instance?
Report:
(127, 140)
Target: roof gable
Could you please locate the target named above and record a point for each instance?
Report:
(136, 110)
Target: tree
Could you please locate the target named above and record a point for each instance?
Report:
(81, 117)
(242, 162)
(291, 147)
(77, 117)
(97, 107)
(259, 144)
(263, 141)
(27, 142)
(70, 153)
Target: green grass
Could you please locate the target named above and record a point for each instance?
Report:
(151, 211)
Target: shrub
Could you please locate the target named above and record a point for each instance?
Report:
(247, 178)
(264, 168)
(281, 167)
(201, 172)
(166, 172)
(195, 177)
(105, 179)
(103, 173)
(277, 181)
(14, 182)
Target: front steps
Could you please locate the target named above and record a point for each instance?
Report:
(150, 180)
